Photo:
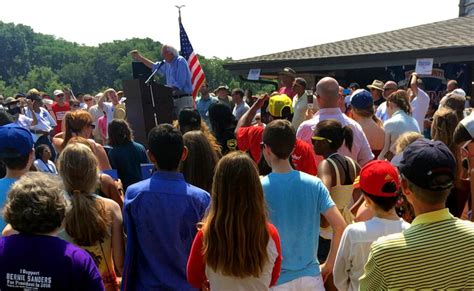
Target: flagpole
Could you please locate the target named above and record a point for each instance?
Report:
(179, 11)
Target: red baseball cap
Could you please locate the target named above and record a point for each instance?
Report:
(375, 175)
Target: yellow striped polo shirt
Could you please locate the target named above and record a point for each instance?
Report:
(436, 252)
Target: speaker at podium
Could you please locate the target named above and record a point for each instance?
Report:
(148, 105)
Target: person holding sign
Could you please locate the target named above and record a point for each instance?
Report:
(419, 100)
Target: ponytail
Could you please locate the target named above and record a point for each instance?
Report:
(87, 222)
(348, 136)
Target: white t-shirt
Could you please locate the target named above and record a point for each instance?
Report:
(420, 105)
(45, 121)
(48, 167)
(221, 282)
(355, 246)
(400, 123)
(24, 121)
(381, 112)
(109, 110)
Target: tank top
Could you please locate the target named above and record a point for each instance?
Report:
(341, 194)
(101, 253)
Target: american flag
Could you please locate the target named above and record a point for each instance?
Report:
(187, 51)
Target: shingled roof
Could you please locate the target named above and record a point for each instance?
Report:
(453, 33)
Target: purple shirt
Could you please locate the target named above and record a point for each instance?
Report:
(360, 147)
(40, 262)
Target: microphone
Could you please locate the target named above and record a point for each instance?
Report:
(154, 72)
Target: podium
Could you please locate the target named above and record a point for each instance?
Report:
(147, 106)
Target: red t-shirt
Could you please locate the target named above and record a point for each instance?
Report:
(59, 112)
(303, 157)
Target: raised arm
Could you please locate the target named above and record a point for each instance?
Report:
(138, 57)
(413, 86)
(246, 119)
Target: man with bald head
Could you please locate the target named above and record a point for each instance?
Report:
(388, 88)
(327, 94)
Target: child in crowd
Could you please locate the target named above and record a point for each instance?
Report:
(43, 162)
(236, 248)
(296, 201)
(379, 184)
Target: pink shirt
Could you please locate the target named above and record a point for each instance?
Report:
(102, 123)
(288, 91)
(360, 148)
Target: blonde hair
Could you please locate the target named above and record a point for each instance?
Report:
(235, 234)
(405, 140)
(87, 222)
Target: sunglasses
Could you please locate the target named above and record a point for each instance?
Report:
(60, 95)
(87, 100)
(91, 125)
(320, 138)
(262, 145)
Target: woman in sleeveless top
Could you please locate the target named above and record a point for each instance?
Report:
(337, 172)
(94, 223)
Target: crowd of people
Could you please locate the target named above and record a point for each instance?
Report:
(327, 189)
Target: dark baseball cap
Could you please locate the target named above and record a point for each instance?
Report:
(34, 97)
(15, 142)
(424, 161)
(354, 85)
(362, 99)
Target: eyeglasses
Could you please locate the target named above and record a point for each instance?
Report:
(320, 138)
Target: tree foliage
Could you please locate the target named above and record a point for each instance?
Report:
(34, 60)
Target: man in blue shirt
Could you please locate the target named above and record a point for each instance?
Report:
(176, 71)
(160, 216)
(205, 102)
(295, 201)
(16, 151)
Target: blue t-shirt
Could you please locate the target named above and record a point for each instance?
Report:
(160, 217)
(5, 185)
(295, 201)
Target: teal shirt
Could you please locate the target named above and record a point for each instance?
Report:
(126, 159)
(295, 202)
(5, 185)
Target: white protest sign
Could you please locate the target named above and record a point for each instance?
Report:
(254, 74)
(424, 66)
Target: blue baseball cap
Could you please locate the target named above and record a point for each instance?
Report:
(15, 142)
(361, 99)
(424, 160)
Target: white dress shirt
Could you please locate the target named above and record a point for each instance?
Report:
(354, 249)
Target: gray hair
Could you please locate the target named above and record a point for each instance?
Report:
(170, 49)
